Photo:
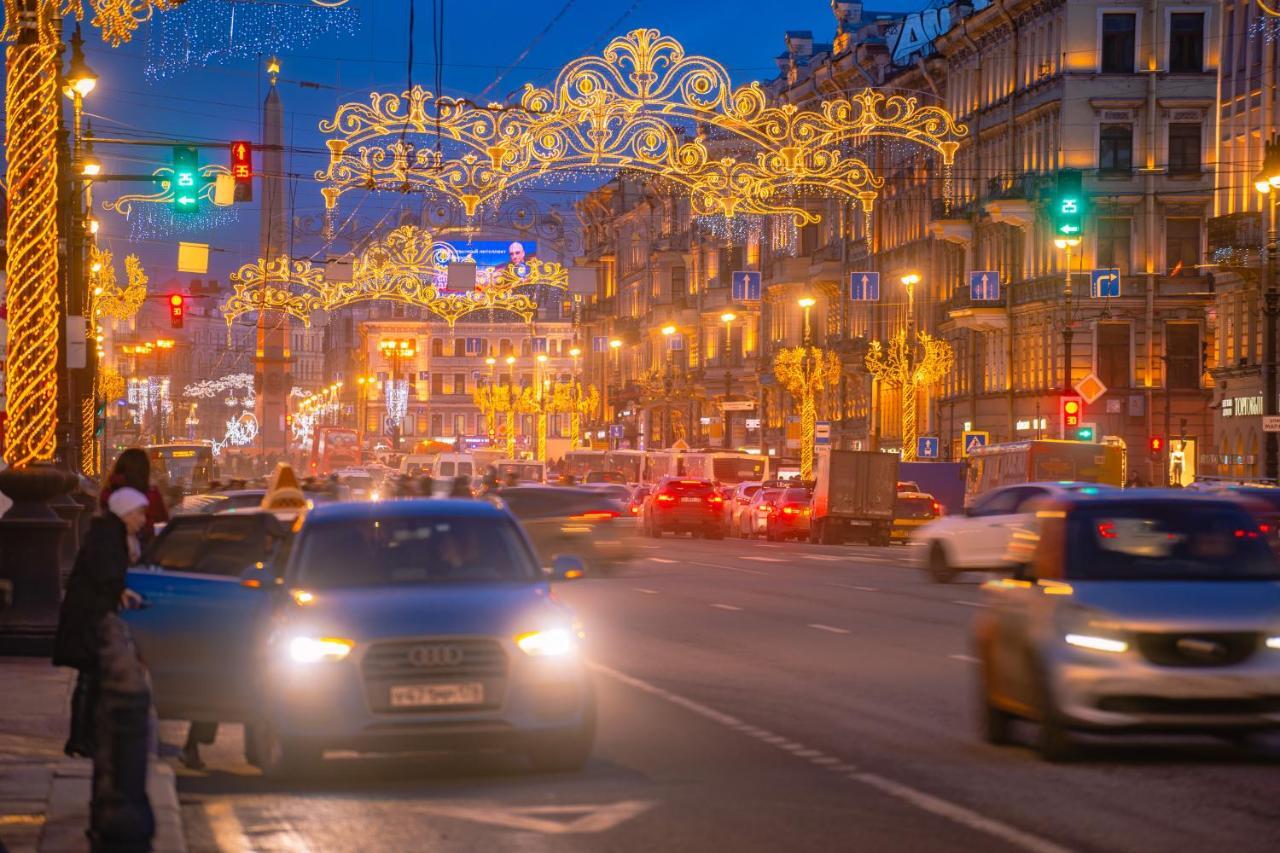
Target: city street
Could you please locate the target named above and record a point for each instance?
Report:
(756, 696)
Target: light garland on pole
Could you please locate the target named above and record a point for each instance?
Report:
(807, 372)
(897, 368)
(579, 401)
(108, 299)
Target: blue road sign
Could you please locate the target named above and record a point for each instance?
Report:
(600, 343)
(822, 433)
(864, 286)
(676, 341)
(927, 447)
(615, 431)
(971, 440)
(984, 286)
(745, 286)
(1104, 284)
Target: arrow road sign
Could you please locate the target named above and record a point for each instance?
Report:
(984, 286)
(864, 286)
(745, 286)
(927, 447)
(1104, 284)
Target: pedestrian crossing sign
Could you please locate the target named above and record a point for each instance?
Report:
(974, 439)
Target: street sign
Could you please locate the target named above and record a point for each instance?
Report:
(1104, 284)
(974, 439)
(600, 343)
(984, 286)
(616, 431)
(1091, 388)
(738, 406)
(1271, 423)
(864, 286)
(822, 432)
(927, 447)
(745, 286)
(676, 341)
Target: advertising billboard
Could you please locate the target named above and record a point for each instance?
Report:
(489, 256)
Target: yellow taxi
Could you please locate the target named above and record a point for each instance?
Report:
(912, 510)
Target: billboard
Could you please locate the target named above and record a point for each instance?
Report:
(489, 256)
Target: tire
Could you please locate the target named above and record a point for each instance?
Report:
(654, 532)
(939, 569)
(1053, 742)
(281, 758)
(718, 533)
(994, 724)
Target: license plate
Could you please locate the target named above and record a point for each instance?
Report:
(428, 695)
(691, 500)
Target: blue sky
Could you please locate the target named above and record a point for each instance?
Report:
(223, 102)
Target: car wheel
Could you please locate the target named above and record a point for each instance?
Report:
(994, 724)
(939, 569)
(655, 532)
(279, 757)
(1054, 741)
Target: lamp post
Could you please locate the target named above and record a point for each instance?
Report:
(668, 434)
(364, 385)
(396, 351)
(615, 344)
(491, 415)
(726, 416)
(1267, 183)
(511, 407)
(541, 400)
(1066, 243)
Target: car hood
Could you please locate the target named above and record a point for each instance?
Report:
(410, 611)
(1248, 605)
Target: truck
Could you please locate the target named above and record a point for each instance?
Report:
(854, 496)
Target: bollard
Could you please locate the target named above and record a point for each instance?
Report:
(120, 817)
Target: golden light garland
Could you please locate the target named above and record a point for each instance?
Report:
(123, 204)
(806, 373)
(644, 106)
(495, 399)
(898, 368)
(90, 451)
(107, 298)
(31, 108)
(284, 285)
(117, 19)
(578, 401)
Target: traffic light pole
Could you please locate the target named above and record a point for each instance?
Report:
(1271, 309)
(1067, 332)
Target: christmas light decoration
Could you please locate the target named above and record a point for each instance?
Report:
(899, 369)
(216, 32)
(642, 106)
(107, 298)
(578, 401)
(166, 195)
(396, 393)
(293, 287)
(807, 373)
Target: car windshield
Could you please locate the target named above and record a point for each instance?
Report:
(1167, 541)
(915, 507)
(373, 551)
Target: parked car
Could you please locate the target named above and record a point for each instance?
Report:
(979, 540)
(684, 505)
(1132, 611)
(635, 506)
(753, 520)
(736, 503)
(588, 523)
(913, 510)
(790, 516)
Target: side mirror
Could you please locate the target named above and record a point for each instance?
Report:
(567, 567)
(257, 576)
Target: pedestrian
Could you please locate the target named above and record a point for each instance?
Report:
(461, 487)
(426, 486)
(133, 470)
(95, 589)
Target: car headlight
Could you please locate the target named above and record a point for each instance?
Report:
(1091, 629)
(555, 642)
(312, 650)
(1273, 642)
(1098, 644)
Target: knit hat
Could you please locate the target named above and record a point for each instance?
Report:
(126, 500)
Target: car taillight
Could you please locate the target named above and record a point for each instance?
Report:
(794, 509)
(635, 509)
(937, 508)
(665, 498)
(599, 515)
(715, 499)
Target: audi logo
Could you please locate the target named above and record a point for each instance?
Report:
(434, 656)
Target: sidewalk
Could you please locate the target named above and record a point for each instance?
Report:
(44, 796)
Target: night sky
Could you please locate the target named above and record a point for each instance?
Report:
(223, 101)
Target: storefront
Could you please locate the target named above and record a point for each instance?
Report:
(1238, 437)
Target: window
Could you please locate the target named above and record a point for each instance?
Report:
(437, 425)
(1182, 246)
(437, 384)
(1119, 38)
(1113, 243)
(1113, 354)
(1186, 42)
(504, 347)
(459, 347)
(1184, 147)
(1115, 148)
(437, 347)
(1182, 355)
(459, 383)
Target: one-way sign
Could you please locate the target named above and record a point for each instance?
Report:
(984, 286)
(864, 286)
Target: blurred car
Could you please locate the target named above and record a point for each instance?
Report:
(736, 503)
(569, 520)
(1262, 501)
(620, 492)
(211, 502)
(912, 510)
(359, 484)
(684, 505)
(605, 477)
(753, 520)
(979, 539)
(635, 506)
(908, 486)
(1135, 611)
(790, 516)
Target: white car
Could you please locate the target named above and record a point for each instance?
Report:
(979, 539)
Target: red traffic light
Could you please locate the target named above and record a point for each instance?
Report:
(176, 300)
(1156, 443)
(1072, 413)
(177, 310)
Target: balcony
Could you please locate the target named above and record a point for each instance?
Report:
(983, 316)
(1011, 198)
(955, 225)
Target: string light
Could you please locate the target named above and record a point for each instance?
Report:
(899, 370)
(807, 373)
(107, 297)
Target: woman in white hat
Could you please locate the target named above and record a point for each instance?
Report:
(96, 588)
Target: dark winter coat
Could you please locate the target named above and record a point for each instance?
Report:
(93, 591)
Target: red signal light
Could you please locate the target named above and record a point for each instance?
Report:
(1156, 443)
(177, 309)
(1072, 413)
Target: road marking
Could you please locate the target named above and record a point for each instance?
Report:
(645, 591)
(586, 818)
(964, 658)
(661, 560)
(967, 603)
(728, 568)
(855, 586)
(230, 834)
(828, 628)
(912, 796)
(826, 558)
(725, 607)
(766, 559)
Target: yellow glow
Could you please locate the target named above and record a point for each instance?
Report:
(1066, 242)
(1262, 186)
(302, 597)
(575, 352)
(668, 330)
(1056, 588)
(556, 642)
(542, 358)
(806, 372)
(728, 317)
(491, 361)
(311, 650)
(1097, 644)
(911, 279)
(806, 301)
(90, 167)
(615, 343)
(901, 367)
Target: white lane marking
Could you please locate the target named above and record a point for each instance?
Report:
(855, 586)
(921, 800)
(645, 591)
(831, 629)
(967, 603)
(549, 820)
(728, 568)
(964, 658)
(959, 814)
(766, 559)
(661, 560)
(826, 558)
(725, 607)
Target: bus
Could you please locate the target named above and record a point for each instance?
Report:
(526, 470)
(188, 467)
(1044, 461)
(727, 467)
(334, 448)
(579, 463)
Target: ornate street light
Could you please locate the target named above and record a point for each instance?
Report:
(726, 417)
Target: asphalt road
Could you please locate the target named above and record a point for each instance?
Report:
(753, 697)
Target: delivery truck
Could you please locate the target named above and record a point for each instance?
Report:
(854, 496)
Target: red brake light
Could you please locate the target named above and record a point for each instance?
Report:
(715, 499)
(601, 515)
(937, 508)
(1107, 530)
(664, 498)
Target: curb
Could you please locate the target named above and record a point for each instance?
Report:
(67, 817)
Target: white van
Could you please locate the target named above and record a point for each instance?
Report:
(442, 466)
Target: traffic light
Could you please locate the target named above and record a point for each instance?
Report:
(1156, 444)
(1086, 432)
(177, 309)
(100, 418)
(1072, 409)
(1068, 205)
(186, 183)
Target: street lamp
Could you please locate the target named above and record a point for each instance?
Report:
(1267, 183)
(615, 344)
(806, 302)
(80, 79)
(726, 417)
(1067, 244)
(395, 351)
(668, 433)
